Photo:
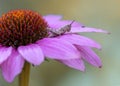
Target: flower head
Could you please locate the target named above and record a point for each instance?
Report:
(27, 36)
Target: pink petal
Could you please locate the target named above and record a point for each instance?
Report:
(87, 29)
(74, 63)
(51, 17)
(4, 53)
(80, 40)
(67, 22)
(32, 53)
(52, 20)
(12, 66)
(90, 56)
(62, 23)
(58, 49)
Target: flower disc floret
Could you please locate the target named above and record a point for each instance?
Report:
(21, 27)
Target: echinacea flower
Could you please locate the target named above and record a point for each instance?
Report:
(26, 36)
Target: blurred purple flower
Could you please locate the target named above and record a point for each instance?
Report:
(69, 48)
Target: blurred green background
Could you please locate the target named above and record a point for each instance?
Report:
(103, 14)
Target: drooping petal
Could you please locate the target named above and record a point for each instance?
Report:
(80, 40)
(58, 49)
(4, 53)
(87, 29)
(74, 63)
(12, 66)
(32, 53)
(90, 56)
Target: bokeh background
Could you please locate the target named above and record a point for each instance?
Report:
(103, 14)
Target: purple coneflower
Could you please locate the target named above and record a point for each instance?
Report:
(26, 36)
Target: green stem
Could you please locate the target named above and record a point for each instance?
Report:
(24, 76)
